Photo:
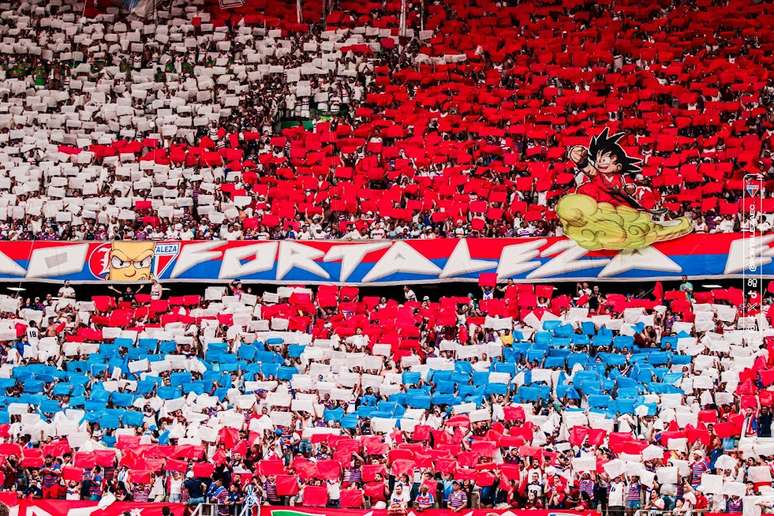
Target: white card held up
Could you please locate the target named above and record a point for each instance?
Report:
(711, 484)
(614, 468)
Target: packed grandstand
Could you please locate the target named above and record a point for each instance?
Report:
(485, 126)
(181, 125)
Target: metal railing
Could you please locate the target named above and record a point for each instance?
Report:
(205, 509)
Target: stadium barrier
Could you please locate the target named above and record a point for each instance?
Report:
(270, 510)
(46, 507)
(384, 262)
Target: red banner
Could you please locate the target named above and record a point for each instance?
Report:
(269, 510)
(30, 507)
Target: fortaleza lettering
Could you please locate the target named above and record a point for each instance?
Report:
(382, 262)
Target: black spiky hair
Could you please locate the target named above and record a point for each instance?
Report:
(604, 144)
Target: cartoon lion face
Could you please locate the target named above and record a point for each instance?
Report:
(131, 261)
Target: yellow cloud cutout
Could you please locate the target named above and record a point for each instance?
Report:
(600, 225)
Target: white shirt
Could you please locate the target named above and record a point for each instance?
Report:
(68, 292)
(402, 498)
(175, 486)
(726, 226)
(33, 335)
(334, 490)
(617, 494)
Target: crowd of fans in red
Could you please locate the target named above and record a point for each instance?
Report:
(458, 129)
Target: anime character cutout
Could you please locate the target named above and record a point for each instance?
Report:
(131, 261)
(610, 209)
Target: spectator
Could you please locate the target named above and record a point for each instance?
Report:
(219, 495)
(616, 496)
(686, 286)
(764, 422)
(399, 500)
(195, 489)
(424, 499)
(66, 291)
(457, 500)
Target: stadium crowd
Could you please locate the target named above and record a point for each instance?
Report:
(205, 123)
(519, 396)
(177, 126)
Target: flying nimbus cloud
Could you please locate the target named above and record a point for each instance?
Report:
(600, 225)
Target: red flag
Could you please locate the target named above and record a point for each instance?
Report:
(484, 479)
(421, 433)
(228, 437)
(328, 470)
(545, 291)
(286, 485)
(56, 448)
(140, 476)
(484, 448)
(369, 471)
(219, 457)
(187, 451)
(104, 458)
(531, 451)
(727, 429)
(374, 446)
(514, 413)
(271, 467)
(304, 468)
(315, 496)
(510, 471)
(401, 466)
(32, 458)
(697, 434)
(351, 498)
(176, 465)
(487, 279)
(658, 291)
(578, 434)
(767, 377)
(374, 490)
(85, 459)
(73, 474)
(203, 470)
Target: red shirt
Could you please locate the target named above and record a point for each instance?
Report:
(605, 188)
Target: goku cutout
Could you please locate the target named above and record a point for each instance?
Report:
(608, 209)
